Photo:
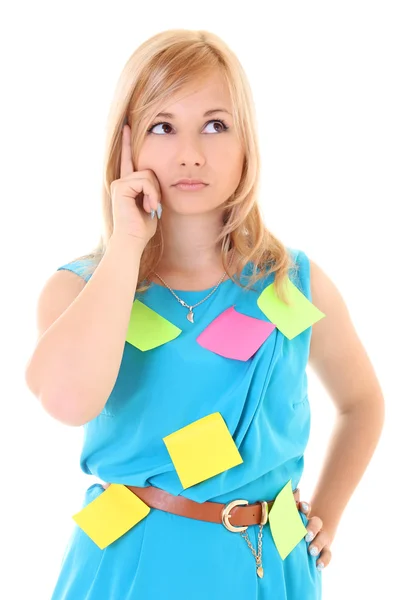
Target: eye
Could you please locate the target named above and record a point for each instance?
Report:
(156, 125)
(220, 121)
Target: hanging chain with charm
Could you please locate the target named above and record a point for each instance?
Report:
(190, 315)
(257, 556)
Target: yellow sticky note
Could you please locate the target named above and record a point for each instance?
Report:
(202, 449)
(111, 514)
(147, 329)
(290, 320)
(287, 528)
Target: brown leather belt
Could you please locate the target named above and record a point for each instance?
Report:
(235, 516)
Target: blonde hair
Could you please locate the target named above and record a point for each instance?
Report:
(157, 69)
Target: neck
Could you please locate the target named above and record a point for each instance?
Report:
(189, 244)
(191, 259)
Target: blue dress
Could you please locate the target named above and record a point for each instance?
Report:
(264, 403)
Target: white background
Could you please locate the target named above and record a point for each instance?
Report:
(325, 78)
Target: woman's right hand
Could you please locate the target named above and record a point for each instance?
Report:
(134, 196)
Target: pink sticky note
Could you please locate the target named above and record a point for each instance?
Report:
(235, 335)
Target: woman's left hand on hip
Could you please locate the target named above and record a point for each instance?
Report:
(320, 538)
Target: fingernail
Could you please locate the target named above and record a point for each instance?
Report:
(320, 566)
(153, 213)
(305, 506)
(159, 210)
(314, 551)
(310, 536)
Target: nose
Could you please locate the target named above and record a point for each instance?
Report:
(190, 153)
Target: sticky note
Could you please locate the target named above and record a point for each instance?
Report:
(147, 329)
(290, 320)
(202, 449)
(111, 514)
(287, 527)
(235, 335)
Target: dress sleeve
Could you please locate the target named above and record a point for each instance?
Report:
(301, 277)
(79, 267)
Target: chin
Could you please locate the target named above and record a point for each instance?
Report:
(190, 210)
(190, 203)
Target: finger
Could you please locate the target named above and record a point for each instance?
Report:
(324, 560)
(151, 191)
(314, 525)
(146, 203)
(320, 541)
(154, 192)
(145, 193)
(126, 153)
(305, 507)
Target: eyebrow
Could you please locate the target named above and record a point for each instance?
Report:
(206, 114)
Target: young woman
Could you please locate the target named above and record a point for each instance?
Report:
(181, 345)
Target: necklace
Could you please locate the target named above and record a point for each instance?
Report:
(190, 315)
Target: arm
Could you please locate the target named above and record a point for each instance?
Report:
(342, 364)
(82, 332)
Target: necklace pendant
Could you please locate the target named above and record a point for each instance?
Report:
(190, 316)
(260, 572)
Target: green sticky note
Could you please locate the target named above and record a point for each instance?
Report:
(287, 527)
(147, 329)
(290, 320)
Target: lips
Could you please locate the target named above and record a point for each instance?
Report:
(190, 186)
(190, 182)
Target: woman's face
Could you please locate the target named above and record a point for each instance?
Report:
(189, 144)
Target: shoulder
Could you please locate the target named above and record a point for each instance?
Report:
(325, 294)
(336, 326)
(300, 273)
(337, 354)
(313, 281)
(81, 267)
(57, 293)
